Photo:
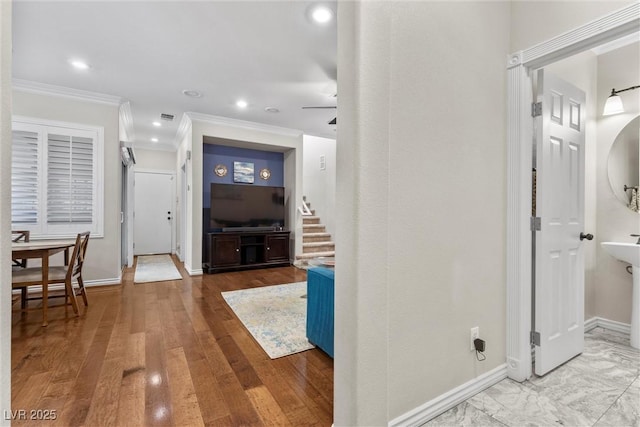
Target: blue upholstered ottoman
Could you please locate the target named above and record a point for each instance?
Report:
(320, 291)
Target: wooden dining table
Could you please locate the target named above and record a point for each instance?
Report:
(42, 249)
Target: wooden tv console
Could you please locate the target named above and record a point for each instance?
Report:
(246, 249)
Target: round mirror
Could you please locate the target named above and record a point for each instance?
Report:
(623, 162)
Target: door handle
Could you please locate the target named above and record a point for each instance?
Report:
(586, 236)
(169, 218)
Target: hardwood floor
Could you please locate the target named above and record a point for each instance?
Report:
(164, 353)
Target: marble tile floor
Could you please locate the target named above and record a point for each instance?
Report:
(601, 387)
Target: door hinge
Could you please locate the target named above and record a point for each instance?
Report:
(536, 109)
(536, 223)
(535, 338)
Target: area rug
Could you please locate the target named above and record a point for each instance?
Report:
(276, 316)
(155, 268)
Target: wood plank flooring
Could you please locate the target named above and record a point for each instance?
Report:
(164, 353)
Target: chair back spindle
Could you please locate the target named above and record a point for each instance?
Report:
(77, 258)
(20, 236)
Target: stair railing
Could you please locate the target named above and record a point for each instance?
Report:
(304, 209)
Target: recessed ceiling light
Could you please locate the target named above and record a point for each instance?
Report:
(79, 65)
(271, 110)
(192, 93)
(321, 14)
(157, 124)
(154, 139)
(241, 103)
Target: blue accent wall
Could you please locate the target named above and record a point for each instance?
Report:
(213, 155)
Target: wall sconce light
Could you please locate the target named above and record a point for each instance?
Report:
(614, 102)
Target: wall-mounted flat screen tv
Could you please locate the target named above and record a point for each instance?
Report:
(235, 206)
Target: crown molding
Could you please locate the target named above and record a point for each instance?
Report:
(242, 124)
(126, 120)
(65, 92)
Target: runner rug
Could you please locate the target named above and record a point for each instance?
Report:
(155, 268)
(276, 316)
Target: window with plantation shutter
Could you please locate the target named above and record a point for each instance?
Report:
(56, 177)
(69, 180)
(24, 178)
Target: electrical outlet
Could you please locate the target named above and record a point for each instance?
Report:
(474, 333)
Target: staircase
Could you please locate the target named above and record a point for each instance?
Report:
(316, 242)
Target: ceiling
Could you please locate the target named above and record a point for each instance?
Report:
(268, 53)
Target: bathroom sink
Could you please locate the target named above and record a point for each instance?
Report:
(627, 252)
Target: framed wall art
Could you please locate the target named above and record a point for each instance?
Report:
(243, 172)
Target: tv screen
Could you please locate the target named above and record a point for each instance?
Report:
(246, 206)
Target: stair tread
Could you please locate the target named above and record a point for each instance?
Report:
(312, 244)
(310, 255)
(316, 234)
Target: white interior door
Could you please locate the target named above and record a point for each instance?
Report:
(559, 263)
(153, 214)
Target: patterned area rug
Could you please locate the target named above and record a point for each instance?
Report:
(155, 268)
(276, 316)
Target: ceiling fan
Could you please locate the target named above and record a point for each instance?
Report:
(332, 121)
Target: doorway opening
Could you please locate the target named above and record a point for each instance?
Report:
(521, 67)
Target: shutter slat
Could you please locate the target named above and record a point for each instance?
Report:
(24, 177)
(70, 170)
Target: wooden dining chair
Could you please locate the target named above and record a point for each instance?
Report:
(32, 276)
(20, 236)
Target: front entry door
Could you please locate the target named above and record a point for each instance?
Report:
(153, 215)
(559, 255)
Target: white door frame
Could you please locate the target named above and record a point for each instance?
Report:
(174, 204)
(519, 157)
(128, 178)
(183, 211)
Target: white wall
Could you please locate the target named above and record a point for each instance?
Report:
(319, 186)
(5, 210)
(422, 155)
(616, 69)
(103, 254)
(155, 159)
(581, 70)
(258, 137)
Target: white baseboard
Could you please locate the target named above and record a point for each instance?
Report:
(612, 325)
(87, 284)
(193, 272)
(103, 282)
(448, 400)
